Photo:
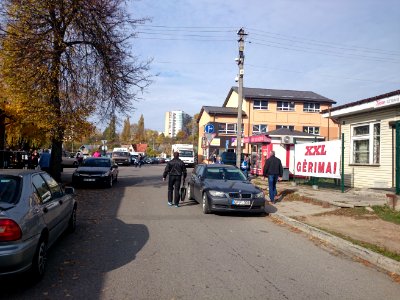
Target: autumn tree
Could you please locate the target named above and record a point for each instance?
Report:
(140, 133)
(181, 137)
(110, 133)
(67, 60)
(126, 137)
(194, 130)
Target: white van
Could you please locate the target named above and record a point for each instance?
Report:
(121, 156)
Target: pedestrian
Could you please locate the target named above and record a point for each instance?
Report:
(219, 160)
(79, 157)
(244, 166)
(97, 153)
(140, 160)
(274, 170)
(34, 160)
(44, 160)
(175, 169)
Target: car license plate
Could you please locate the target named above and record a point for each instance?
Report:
(89, 179)
(241, 202)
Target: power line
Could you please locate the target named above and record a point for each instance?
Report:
(324, 75)
(316, 42)
(187, 33)
(274, 35)
(326, 52)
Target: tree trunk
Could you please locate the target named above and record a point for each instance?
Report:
(2, 137)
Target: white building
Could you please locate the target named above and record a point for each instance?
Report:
(175, 121)
(371, 131)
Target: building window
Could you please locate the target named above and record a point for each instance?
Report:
(365, 142)
(260, 104)
(228, 128)
(285, 106)
(291, 127)
(311, 107)
(311, 130)
(260, 128)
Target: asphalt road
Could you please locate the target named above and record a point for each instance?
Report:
(130, 244)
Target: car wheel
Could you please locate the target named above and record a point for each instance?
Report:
(116, 178)
(190, 193)
(39, 259)
(110, 181)
(72, 221)
(206, 205)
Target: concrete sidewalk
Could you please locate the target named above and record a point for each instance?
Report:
(322, 200)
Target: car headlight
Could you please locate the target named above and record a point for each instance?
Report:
(105, 174)
(259, 195)
(76, 174)
(217, 193)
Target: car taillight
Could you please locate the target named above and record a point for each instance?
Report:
(9, 230)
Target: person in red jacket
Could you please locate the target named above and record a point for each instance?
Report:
(274, 170)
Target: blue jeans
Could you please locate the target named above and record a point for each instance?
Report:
(272, 180)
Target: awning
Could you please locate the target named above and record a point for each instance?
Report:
(256, 139)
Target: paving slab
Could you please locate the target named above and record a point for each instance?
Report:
(299, 208)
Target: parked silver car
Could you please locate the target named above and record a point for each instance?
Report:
(69, 159)
(34, 211)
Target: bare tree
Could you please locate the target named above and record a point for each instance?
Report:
(68, 60)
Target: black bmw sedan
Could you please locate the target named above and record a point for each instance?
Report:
(96, 170)
(221, 187)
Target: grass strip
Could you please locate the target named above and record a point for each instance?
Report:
(387, 214)
(378, 249)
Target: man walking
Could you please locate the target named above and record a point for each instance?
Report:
(175, 169)
(274, 170)
(44, 160)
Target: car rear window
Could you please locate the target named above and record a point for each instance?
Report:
(9, 188)
(97, 163)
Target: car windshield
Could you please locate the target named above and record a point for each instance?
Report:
(116, 154)
(9, 188)
(185, 153)
(224, 174)
(97, 163)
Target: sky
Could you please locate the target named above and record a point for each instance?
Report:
(345, 50)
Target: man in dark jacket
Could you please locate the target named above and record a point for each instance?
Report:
(274, 170)
(175, 169)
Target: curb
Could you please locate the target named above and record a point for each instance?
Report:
(346, 247)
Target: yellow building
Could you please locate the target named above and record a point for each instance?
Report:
(264, 110)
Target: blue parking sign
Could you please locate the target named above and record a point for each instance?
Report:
(209, 128)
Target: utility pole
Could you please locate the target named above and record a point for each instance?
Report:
(240, 62)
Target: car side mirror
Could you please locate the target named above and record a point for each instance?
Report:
(69, 190)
